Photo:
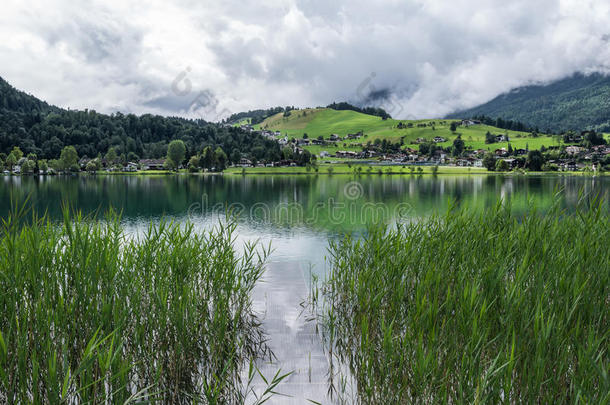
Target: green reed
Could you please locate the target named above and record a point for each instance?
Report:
(90, 314)
(473, 307)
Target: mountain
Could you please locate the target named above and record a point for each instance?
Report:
(576, 103)
(43, 129)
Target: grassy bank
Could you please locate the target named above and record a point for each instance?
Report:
(472, 307)
(89, 314)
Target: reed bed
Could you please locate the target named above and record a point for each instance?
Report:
(472, 307)
(89, 314)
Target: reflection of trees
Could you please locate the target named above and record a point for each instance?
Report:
(154, 196)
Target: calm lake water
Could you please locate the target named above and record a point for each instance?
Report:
(297, 214)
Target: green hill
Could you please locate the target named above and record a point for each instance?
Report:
(576, 103)
(324, 122)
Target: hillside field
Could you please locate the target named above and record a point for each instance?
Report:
(324, 122)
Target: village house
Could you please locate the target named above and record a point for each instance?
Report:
(243, 162)
(131, 167)
(324, 154)
(569, 166)
(501, 152)
(439, 139)
(346, 154)
(573, 150)
(334, 137)
(152, 164)
(468, 123)
(502, 138)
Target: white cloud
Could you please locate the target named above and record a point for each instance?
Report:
(433, 55)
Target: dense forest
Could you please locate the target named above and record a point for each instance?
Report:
(44, 130)
(576, 103)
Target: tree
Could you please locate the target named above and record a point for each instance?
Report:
(17, 153)
(489, 161)
(221, 159)
(92, 166)
(458, 146)
(11, 161)
(111, 156)
(235, 156)
(207, 158)
(534, 161)
(489, 138)
(194, 163)
(43, 166)
(453, 126)
(69, 159)
(28, 167)
(501, 165)
(175, 154)
(287, 153)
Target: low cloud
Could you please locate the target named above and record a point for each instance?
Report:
(417, 58)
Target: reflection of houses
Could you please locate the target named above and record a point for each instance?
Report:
(152, 164)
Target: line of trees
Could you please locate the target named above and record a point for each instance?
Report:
(379, 112)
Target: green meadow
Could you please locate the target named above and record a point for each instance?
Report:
(324, 122)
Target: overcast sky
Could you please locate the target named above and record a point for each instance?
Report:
(422, 58)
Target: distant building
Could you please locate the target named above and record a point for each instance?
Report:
(469, 123)
(152, 164)
(501, 152)
(131, 167)
(573, 150)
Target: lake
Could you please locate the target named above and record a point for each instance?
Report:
(297, 214)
